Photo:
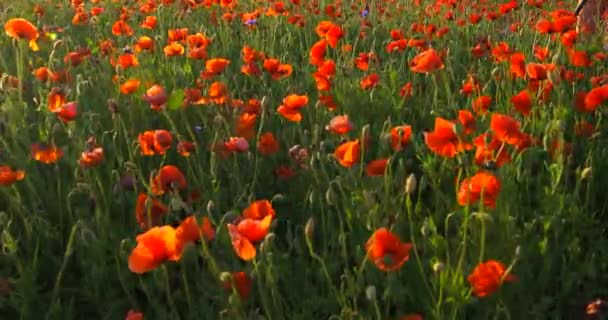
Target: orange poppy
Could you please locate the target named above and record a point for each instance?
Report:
(482, 185)
(217, 92)
(426, 62)
(487, 277)
(268, 144)
(9, 176)
(259, 210)
(190, 231)
(121, 28)
(489, 148)
(56, 99)
(317, 52)
(155, 142)
(214, 67)
(149, 22)
(290, 109)
(19, 28)
(387, 251)
(144, 43)
(254, 230)
(174, 49)
(176, 35)
(443, 140)
(92, 157)
(127, 60)
(243, 248)
(46, 153)
(154, 247)
(245, 125)
(129, 86)
(348, 153)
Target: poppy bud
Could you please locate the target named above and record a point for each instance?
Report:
(330, 196)
(410, 184)
(266, 244)
(278, 198)
(225, 277)
(370, 293)
(586, 173)
(210, 207)
(309, 229)
(264, 102)
(87, 236)
(438, 266)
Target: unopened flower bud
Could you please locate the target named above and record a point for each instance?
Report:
(309, 229)
(370, 293)
(410, 184)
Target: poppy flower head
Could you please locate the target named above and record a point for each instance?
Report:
(487, 277)
(340, 124)
(387, 251)
(156, 96)
(348, 153)
(376, 167)
(268, 144)
(9, 176)
(400, 137)
(443, 140)
(506, 128)
(168, 178)
(46, 153)
(482, 185)
(19, 28)
(426, 62)
(243, 248)
(155, 246)
(241, 282)
(259, 210)
(290, 109)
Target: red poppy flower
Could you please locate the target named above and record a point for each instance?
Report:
(487, 277)
(348, 153)
(168, 177)
(386, 250)
(9, 176)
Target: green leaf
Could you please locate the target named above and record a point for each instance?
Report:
(175, 99)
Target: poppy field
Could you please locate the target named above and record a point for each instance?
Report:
(260, 159)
